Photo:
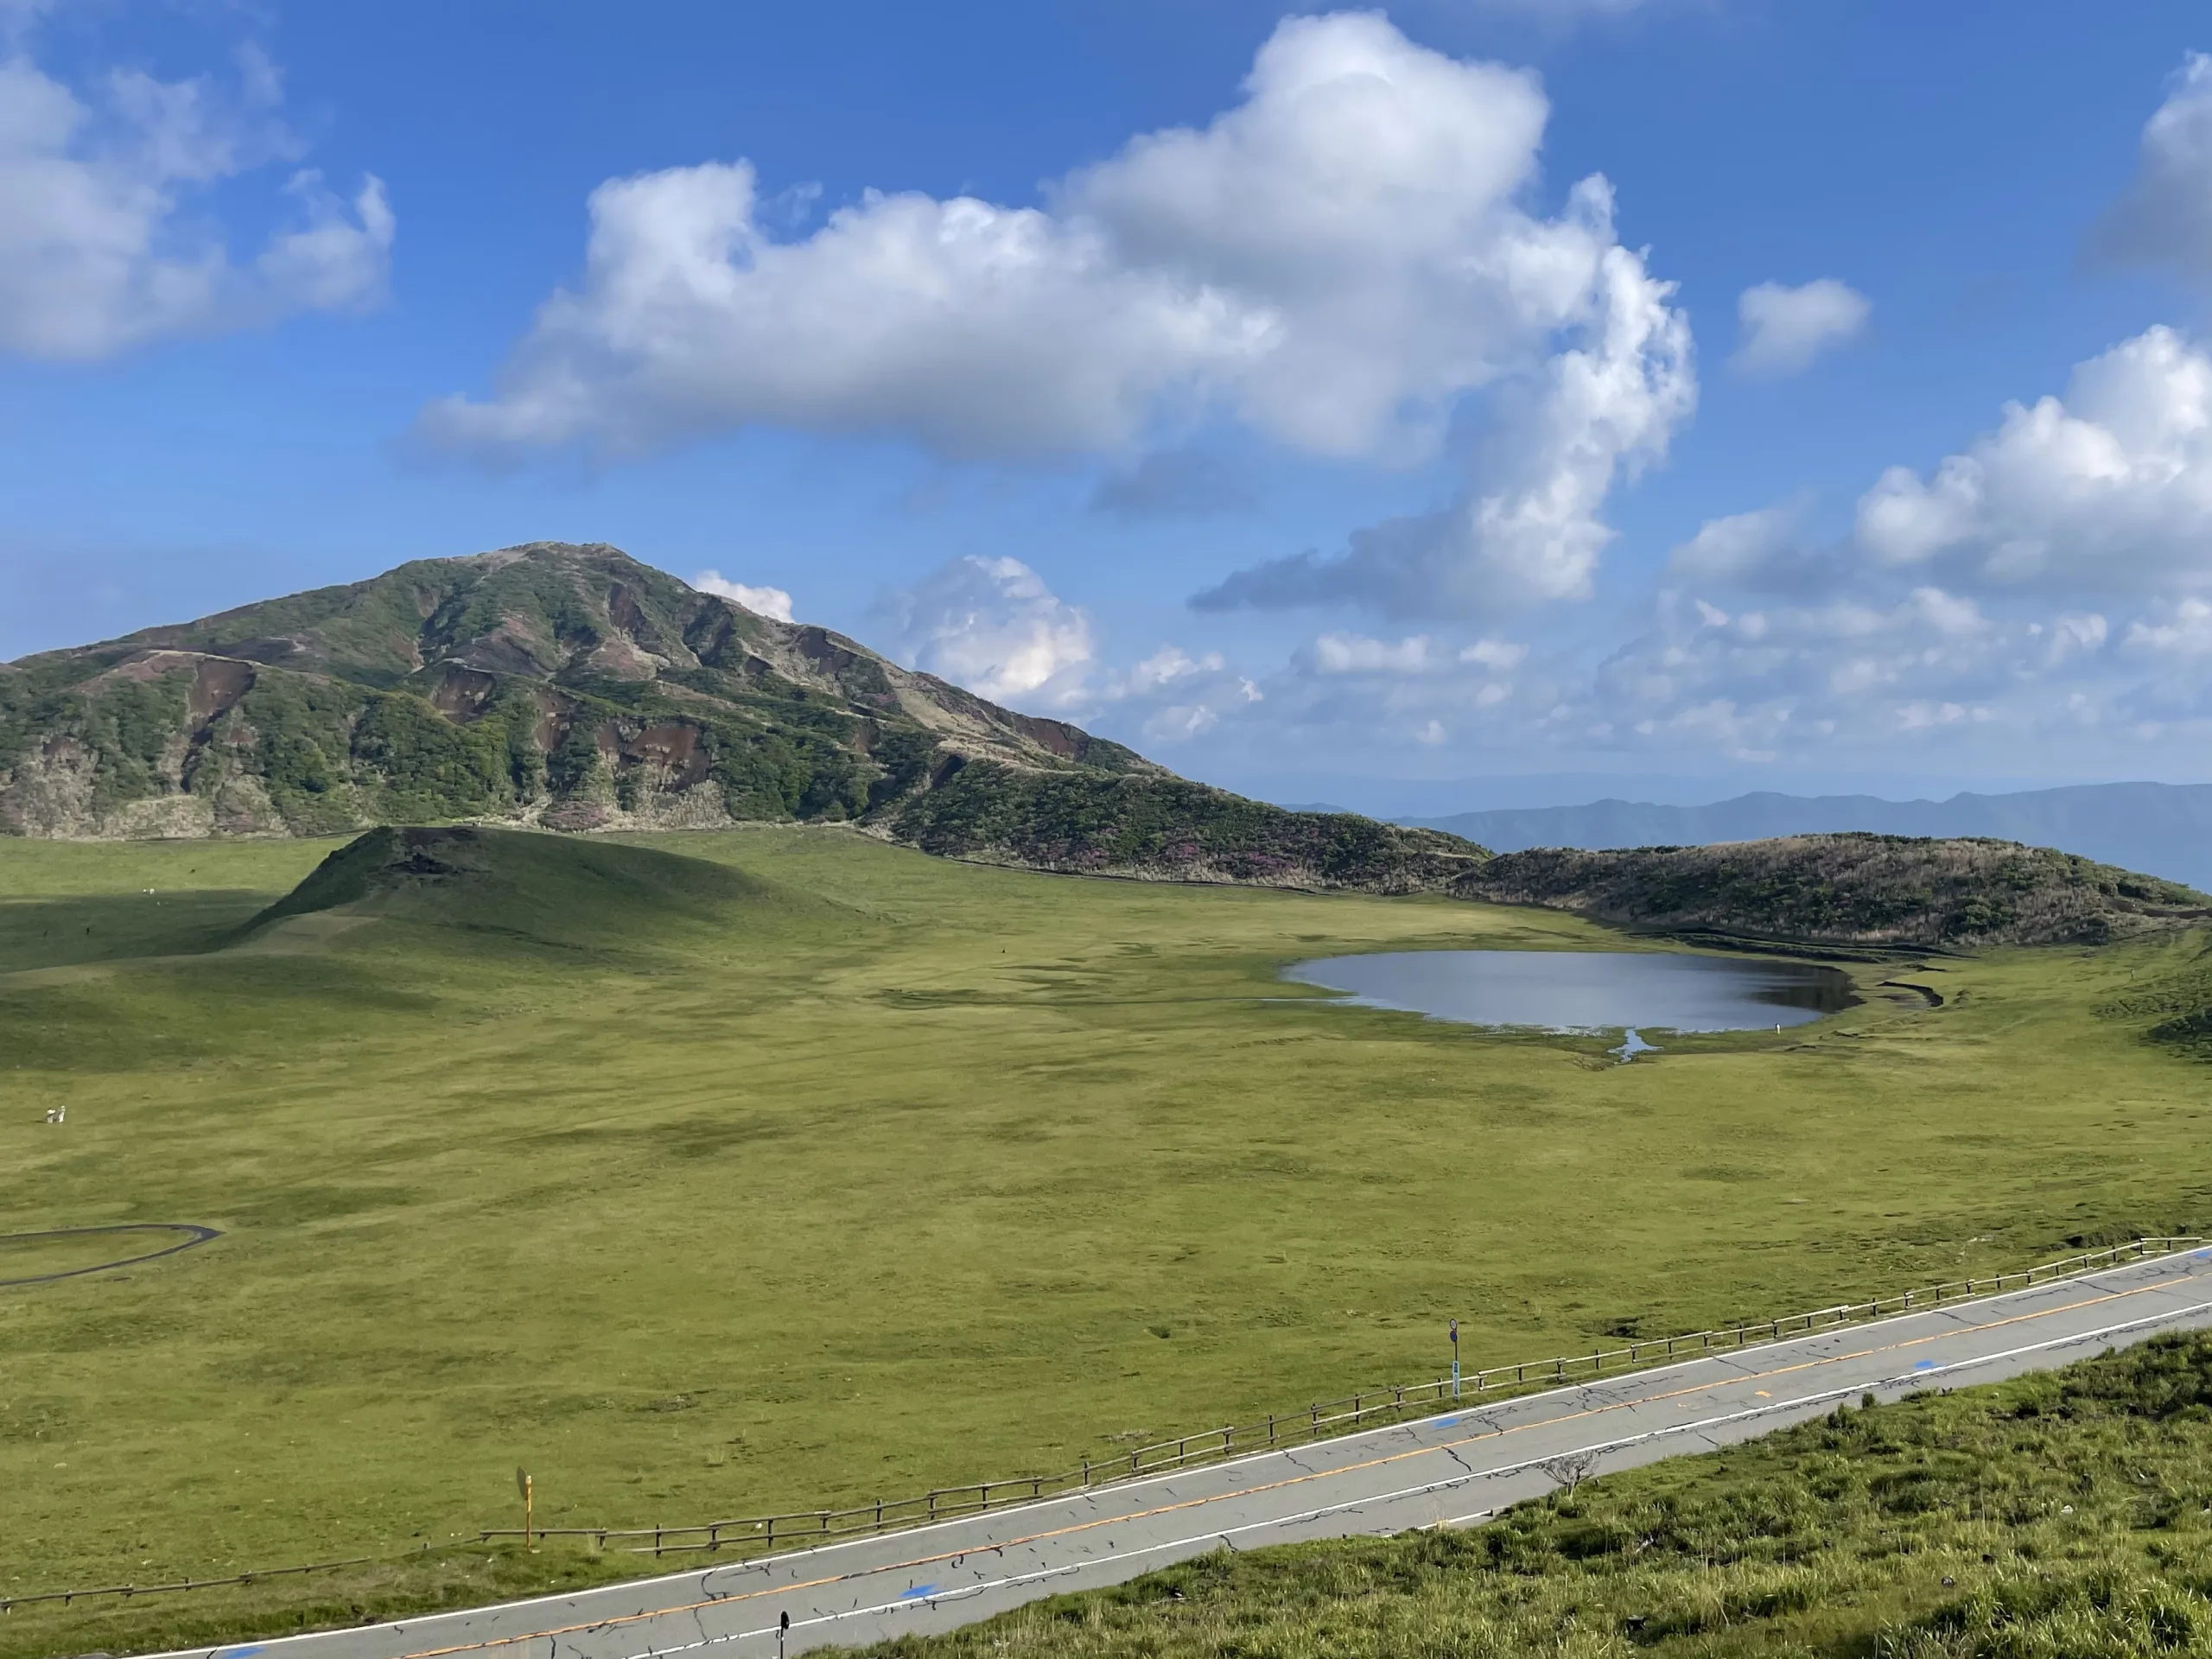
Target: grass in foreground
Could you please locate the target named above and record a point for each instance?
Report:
(2061, 1516)
(895, 1173)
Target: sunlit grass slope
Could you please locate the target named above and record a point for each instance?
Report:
(2053, 1517)
(867, 1171)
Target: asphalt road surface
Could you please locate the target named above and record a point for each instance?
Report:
(1451, 1469)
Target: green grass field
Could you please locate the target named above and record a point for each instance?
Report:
(877, 1172)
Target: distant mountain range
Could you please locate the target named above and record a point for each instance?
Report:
(2161, 828)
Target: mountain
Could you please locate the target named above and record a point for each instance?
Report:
(2162, 828)
(572, 688)
(1855, 889)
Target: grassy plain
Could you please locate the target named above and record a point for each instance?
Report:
(2060, 1516)
(901, 1173)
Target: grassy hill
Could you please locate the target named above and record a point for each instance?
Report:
(572, 687)
(968, 1172)
(2059, 1516)
(574, 894)
(1847, 889)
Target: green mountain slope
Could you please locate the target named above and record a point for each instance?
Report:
(573, 688)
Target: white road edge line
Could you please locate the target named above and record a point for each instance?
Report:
(1910, 1380)
(1459, 1408)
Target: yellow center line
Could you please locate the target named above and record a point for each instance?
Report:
(1290, 1481)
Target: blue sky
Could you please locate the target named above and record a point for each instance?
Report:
(1482, 402)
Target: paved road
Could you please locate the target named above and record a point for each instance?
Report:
(1451, 1469)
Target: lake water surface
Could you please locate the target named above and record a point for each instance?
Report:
(1585, 990)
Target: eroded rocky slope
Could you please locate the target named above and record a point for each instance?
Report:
(573, 688)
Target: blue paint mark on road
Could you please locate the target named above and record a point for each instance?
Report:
(238, 1653)
(919, 1592)
(1925, 1365)
(1445, 1422)
(2203, 1255)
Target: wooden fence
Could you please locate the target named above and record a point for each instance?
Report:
(763, 1534)
(792, 1529)
(8, 1604)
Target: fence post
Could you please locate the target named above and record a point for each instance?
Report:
(1316, 1411)
(1271, 1428)
(1086, 1479)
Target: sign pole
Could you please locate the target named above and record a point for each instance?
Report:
(1455, 1359)
(523, 1485)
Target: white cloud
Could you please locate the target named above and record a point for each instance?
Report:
(98, 253)
(766, 602)
(1500, 654)
(994, 627)
(1804, 681)
(1173, 696)
(1336, 261)
(2185, 631)
(1353, 654)
(1783, 329)
(1525, 529)
(2165, 216)
(2109, 490)
(1735, 549)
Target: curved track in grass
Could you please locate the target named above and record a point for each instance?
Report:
(195, 1234)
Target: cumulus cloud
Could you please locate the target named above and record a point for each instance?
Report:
(98, 250)
(1782, 330)
(2165, 216)
(765, 602)
(1765, 551)
(1417, 692)
(2185, 631)
(2109, 489)
(1354, 653)
(1761, 684)
(1173, 696)
(1525, 528)
(1335, 261)
(1735, 549)
(994, 627)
